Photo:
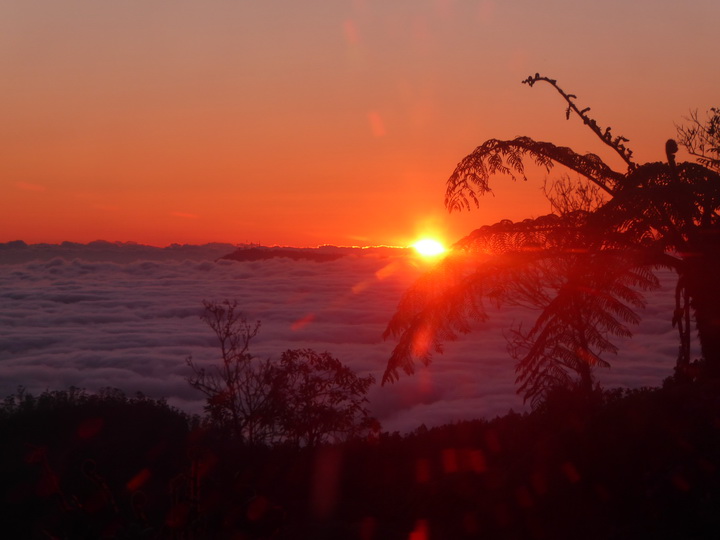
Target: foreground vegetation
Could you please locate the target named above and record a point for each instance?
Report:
(614, 464)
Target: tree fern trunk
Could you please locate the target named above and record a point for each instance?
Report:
(587, 379)
(704, 288)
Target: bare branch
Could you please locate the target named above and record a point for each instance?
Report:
(702, 138)
(616, 143)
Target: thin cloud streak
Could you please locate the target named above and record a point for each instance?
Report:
(78, 320)
(27, 186)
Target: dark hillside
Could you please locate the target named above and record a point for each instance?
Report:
(76, 465)
(616, 465)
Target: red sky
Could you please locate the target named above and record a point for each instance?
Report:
(302, 123)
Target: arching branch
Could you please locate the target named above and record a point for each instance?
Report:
(472, 175)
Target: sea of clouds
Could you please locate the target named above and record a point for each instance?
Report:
(128, 316)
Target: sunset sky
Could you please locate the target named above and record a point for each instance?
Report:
(309, 122)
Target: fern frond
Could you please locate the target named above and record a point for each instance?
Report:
(472, 175)
(583, 293)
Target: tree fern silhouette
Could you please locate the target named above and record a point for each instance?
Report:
(585, 267)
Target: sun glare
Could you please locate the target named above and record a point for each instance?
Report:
(427, 247)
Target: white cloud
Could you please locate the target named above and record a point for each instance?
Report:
(113, 319)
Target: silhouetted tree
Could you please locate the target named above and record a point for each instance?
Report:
(320, 399)
(237, 390)
(584, 267)
(305, 398)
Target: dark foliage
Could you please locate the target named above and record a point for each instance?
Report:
(79, 465)
(585, 267)
(600, 465)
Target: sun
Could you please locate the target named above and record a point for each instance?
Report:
(428, 247)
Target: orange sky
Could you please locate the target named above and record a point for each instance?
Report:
(302, 123)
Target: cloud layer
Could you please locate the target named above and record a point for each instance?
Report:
(76, 317)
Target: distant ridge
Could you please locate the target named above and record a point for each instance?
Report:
(264, 253)
(17, 251)
(318, 254)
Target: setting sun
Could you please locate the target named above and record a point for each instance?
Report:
(427, 247)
